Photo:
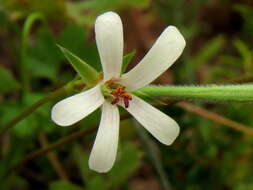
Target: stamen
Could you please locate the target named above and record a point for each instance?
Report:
(110, 82)
(126, 102)
(115, 101)
(119, 93)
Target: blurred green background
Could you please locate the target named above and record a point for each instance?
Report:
(207, 155)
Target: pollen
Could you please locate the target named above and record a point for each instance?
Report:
(119, 93)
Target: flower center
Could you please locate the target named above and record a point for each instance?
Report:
(118, 93)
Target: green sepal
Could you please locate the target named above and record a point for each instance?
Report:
(126, 60)
(88, 74)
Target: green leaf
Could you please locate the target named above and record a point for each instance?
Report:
(126, 60)
(26, 127)
(77, 8)
(243, 49)
(129, 159)
(210, 49)
(246, 54)
(81, 157)
(14, 182)
(203, 56)
(246, 12)
(63, 185)
(9, 83)
(89, 75)
(229, 60)
(97, 183)
(43, 59)
(74, 38)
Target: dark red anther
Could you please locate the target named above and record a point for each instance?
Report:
(126, 102)
(115, 101)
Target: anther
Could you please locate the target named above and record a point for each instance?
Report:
(126, 102)
(119, 93)
(115, 101)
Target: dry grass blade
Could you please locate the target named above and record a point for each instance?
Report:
(53, 158)
(216, 118)
(58, 144)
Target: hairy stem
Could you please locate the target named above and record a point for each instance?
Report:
(224, 93)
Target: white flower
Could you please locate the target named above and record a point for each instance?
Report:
(109, 38)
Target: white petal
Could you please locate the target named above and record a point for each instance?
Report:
(161, 126)
(109, 38)
(104, 150)
(75, 108)
(160, 57)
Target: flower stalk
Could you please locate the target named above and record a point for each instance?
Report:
(222, 93)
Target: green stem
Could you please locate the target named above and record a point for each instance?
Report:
(236, 93)
(24, 46)
(61, 91)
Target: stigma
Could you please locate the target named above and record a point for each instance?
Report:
(119, 93)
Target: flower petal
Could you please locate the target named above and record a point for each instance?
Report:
(109, 38)
(161, 126)
(104, 150)
(160, 57)
(75, 108)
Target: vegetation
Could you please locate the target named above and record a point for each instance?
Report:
(214, 148)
